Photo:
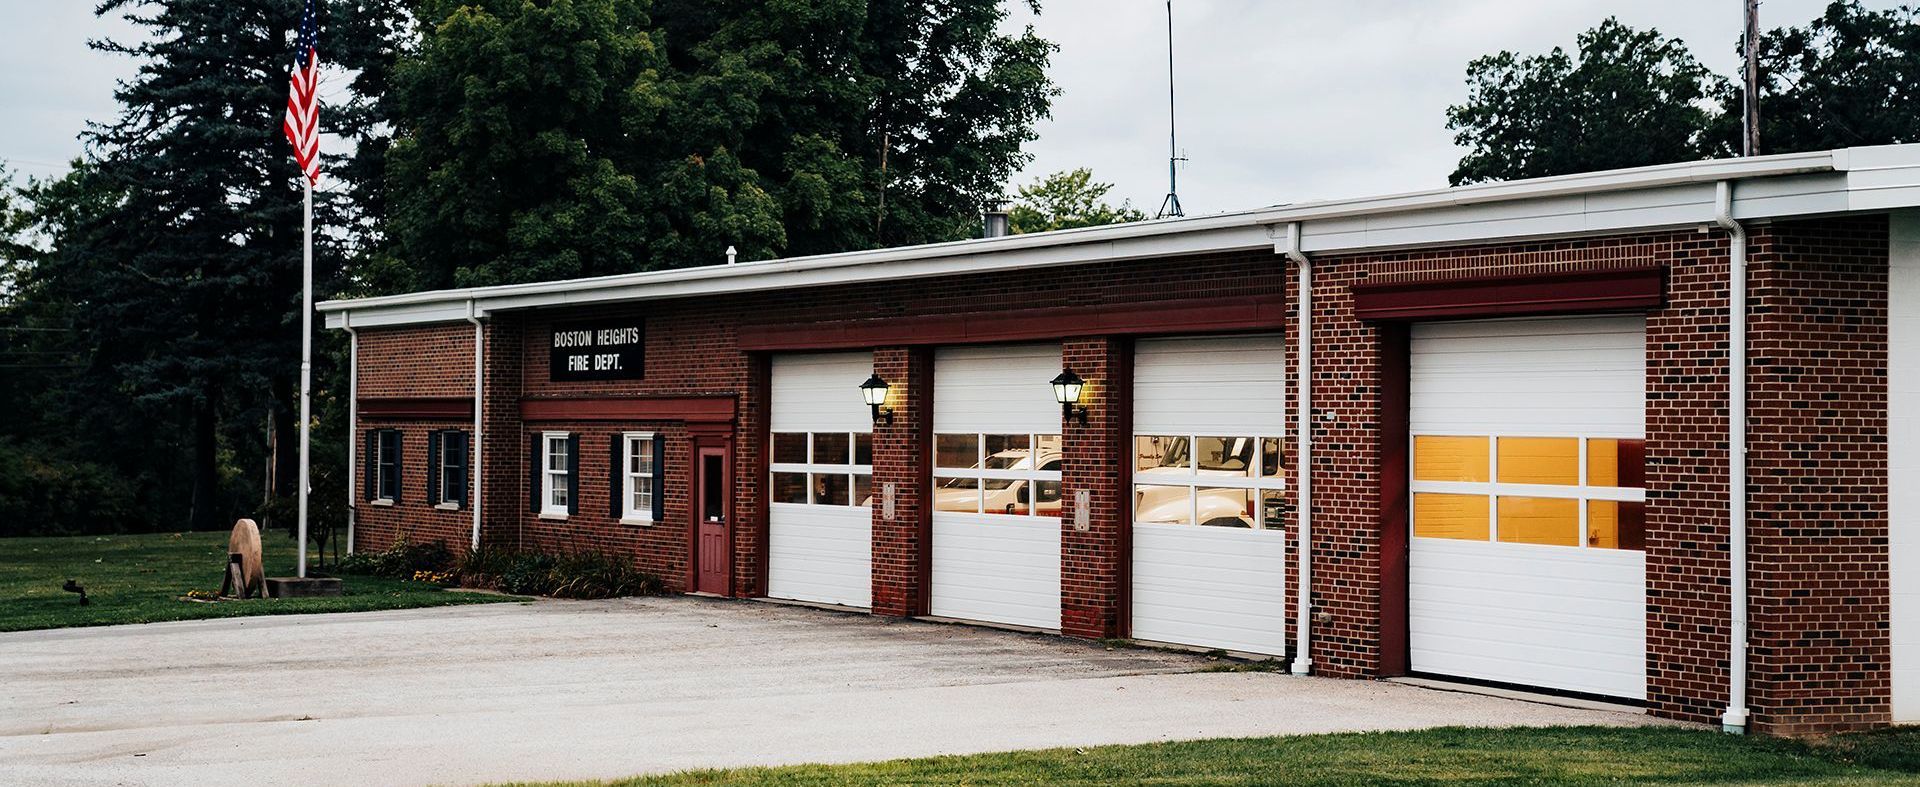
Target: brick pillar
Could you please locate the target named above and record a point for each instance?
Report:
(902, 457)
(1817, 474)
(1094, 559)
(503, 445)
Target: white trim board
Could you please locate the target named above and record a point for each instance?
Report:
(1644, 198)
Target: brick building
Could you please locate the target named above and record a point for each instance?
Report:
(1518, 429)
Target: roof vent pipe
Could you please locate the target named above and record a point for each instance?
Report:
(733, 255)
(997, 221)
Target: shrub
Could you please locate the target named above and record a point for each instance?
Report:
(583, 575)
(401, 561)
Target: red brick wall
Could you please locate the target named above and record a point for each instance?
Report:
(1817, 475)
(434, 361)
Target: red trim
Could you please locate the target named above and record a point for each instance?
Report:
(920, 378)
(759, 450)
(1120, 398)
(1395, 393)
(1200, 315)
(1494, 296)
(691, 409)
(435, 408)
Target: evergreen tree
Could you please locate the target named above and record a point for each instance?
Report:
(174, 251)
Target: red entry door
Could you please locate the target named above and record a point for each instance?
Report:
(714, 550)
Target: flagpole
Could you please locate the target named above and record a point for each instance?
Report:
(306, 362)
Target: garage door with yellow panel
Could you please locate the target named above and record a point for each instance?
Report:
(1525, 563)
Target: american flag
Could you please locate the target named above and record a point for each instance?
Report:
(303, 102)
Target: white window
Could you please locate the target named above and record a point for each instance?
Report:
(556, 488)
(823, 468)
(1010, 474)
(1206, 480)
(638, 470)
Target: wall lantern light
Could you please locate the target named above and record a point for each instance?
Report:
(1066, 391)
(874, 393)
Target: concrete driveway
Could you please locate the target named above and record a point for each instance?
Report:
(557, 689)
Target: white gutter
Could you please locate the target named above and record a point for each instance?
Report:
(1303, 461)
(1735, 718)
(473, 446)
(353, 419)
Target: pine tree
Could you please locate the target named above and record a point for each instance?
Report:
(175, 249)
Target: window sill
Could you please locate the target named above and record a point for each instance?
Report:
(384, 501)
(552, 516)
(636, 521)
(447, 507)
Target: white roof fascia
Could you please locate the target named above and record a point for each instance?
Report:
(1642, 199)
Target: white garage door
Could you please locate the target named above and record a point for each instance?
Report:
(996, 479)
(820, 528)
(1209, 548)
(1528, 465)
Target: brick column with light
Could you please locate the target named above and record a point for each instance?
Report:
(1094, 554)
(902, 458)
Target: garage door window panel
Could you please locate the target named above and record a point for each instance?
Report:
(1550, 490)
(822, 468)
(1005, 474)
(1210, 480)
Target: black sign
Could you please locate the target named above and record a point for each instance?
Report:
(597, 351)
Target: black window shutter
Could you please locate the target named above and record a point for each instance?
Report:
(372, 474)
(573, 474)
(434, 456)
(659, 478)
(616, 461)
(535, 464)
(460, 442)
(393, 450)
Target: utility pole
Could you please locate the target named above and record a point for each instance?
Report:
(1750, 140)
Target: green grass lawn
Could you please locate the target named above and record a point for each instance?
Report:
(1454, 756)
(141, 579)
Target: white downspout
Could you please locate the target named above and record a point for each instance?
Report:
(1303, 462)
(1735, 718)
(353, 420)
(473, 448)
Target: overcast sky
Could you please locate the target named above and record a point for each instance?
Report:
(1279, 101)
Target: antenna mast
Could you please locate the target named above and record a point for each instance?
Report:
(1171, 205)
(1750, 142)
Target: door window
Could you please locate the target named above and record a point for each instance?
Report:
(997, 473)
(823, 468)
(1211, 480)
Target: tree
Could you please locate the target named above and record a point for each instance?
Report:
(590, 137)
(173, 257)
(1065, 200)
(1631, 98)
(1848, 78)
